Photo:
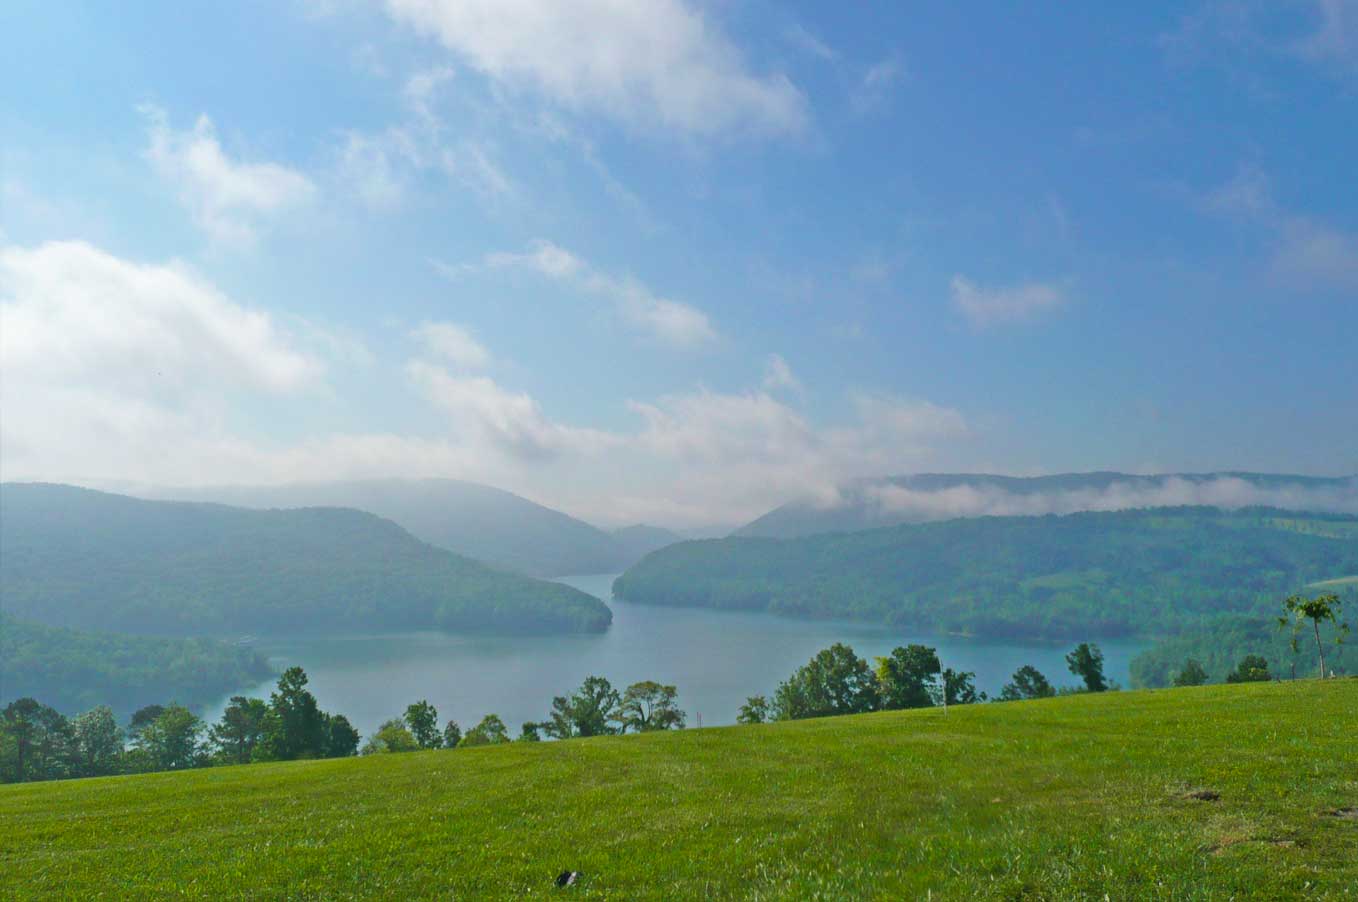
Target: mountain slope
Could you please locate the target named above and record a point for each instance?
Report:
(484, 523)
(1082, 797)
(74, 671)
(1084, 575)
(640, 540)
(78, 558)
(893, 500)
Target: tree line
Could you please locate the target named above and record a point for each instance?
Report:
(38, 743)
(837, 681)
(595, 709)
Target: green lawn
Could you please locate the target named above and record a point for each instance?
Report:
(1076, 797)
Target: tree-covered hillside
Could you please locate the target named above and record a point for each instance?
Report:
(481, 522)
(1140, 572)
(74, 671)
(78, 558)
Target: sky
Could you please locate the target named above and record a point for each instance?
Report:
(675, 261)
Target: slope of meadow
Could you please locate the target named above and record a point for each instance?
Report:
(1074, 797)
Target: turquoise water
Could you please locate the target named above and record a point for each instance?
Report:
(715, 658)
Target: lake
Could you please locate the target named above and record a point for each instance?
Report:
(715, 658)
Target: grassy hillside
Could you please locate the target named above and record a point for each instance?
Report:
(893, 500)
(485, 523)
(74, 671)
(77, 558)
(1074, 797)
(1141, 572)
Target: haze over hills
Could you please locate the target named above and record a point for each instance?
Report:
(79, 558)
(893, 500)
(485, 523)
(1112, 573)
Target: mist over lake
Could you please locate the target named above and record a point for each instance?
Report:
(715, 658)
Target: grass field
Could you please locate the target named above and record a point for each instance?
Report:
(1076, 797)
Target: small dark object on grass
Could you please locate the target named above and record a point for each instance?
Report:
(1204, 795)
(1346, 814)
(567, 878)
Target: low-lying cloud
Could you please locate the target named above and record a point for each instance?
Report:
(902, 504)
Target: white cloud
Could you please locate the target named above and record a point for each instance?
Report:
(510, 422)
(875, 87)
(778, 375)
(670, 322)
(992, 501)
(453, 342)
(120, 362)
(379, 166)
(985, 307)
(798, 36)
(658, 62)
(1304, 253)
(228, 199)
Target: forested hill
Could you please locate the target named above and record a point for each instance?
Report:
(893, 500)
(74, 671)
(1139, 572)
(481, 522)
(79, 558)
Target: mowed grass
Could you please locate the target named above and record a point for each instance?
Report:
(1076, 797)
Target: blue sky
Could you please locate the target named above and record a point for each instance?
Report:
(675, 261)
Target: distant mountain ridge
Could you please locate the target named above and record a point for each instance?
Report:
(487, 524)
(874, 503)
(1146, 572)
(73, 557)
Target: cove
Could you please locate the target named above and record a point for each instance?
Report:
(715, 658)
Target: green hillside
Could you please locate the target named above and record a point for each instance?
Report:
(1074, 797)
(74, 671)
(1139, 572)
(91, 560)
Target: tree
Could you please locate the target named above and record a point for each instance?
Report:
(1251, 669)
(174, 739)
(143, 718)
(959, 687)
(649, 706)
(906, 677)
(1028, 682)
(755, 710)
(529, 732)
(452, 734)
(240, 730)
(585, 713)
(490, 731)
(1191, 674)
(297, 728)
(1086, 662)
(1322, 607)
(835, 681)
(341, 737)
(392, 736)
(40, 737)
(423, 720)
(98, 741)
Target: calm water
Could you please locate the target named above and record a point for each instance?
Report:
(715, 658)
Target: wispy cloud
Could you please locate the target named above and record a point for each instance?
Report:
(229, 199)
(778, 376)
(453, 343)
(985, 307)
(1304, 252)
(660, 63)
(671, 322)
